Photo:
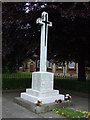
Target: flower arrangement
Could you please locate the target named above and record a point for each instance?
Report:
(72, 113)
(88, 114)
(39, 103)
(85, 114)
(67, 97)
(58, 101)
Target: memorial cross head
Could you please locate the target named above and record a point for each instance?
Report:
(44, 21)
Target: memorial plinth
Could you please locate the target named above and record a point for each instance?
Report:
(42, 89)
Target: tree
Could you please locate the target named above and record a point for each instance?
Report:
(68, 38)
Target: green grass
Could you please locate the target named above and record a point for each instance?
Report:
(69, 113)
(19, 80)
(17, 75)
(72, 84)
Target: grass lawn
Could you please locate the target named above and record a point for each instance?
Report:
(17, 75)
(17, 80)
(70, 113)
(20, 80)
(72, 84)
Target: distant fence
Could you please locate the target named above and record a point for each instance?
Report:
(16, 80)
(66, 76)
(23, 80)
(19, 79)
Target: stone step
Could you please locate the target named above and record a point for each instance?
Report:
(43, 108)
(46, 93)
(45, 100)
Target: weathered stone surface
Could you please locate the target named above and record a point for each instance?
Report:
(42, 82)
(43, 108)
(45, 100)
(42, 89)
(46, 93)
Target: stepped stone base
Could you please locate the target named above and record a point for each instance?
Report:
(43, 108)
(45, 97)
(42, 89)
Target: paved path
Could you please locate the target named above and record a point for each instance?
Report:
(13, 110)
(79, 100)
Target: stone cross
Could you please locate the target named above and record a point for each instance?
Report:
(43, 21)
(42, 81)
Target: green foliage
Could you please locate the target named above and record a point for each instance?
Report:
(19, 80)
(16, 80)
(21, 41)
(69, 113)
(16, 75)
(5, 68)
(72, 84)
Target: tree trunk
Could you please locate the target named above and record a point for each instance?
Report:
(81, 70)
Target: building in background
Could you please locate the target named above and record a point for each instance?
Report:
(67, 69)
